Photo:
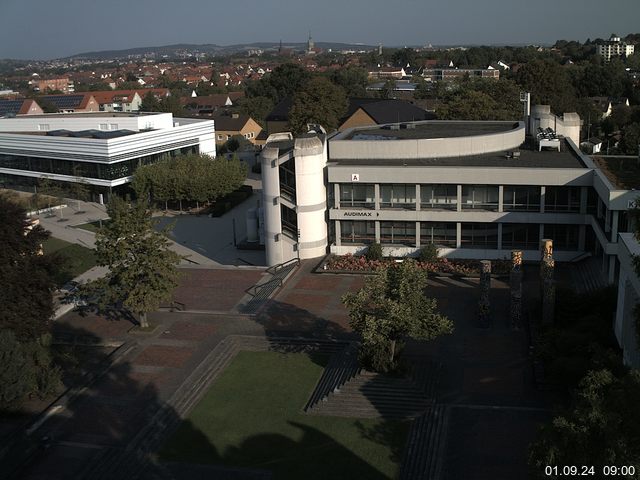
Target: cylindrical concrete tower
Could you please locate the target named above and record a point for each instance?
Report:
(271, 204)
(310, 155)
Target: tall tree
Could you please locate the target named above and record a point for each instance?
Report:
(390, 307)
(549, 84)
(142, 269)
(320, 101)
(26, 281)
(352, 79)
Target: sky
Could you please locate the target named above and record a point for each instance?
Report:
(46, 29)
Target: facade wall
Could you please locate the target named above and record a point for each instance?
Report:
(360, 118)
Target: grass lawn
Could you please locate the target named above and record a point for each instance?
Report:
(252, 417)
(92, 226)
(76, 259)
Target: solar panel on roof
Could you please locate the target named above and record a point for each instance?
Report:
(65, 101)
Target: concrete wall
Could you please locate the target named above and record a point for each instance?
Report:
(57, 121)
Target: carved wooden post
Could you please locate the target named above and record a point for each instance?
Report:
(547, 281)
(515, 284)
(484, 306)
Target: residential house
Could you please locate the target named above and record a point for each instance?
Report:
(118, 100)
(63, 84)
(228, 126)
(373, 111)
(73, 103)
(22, 106)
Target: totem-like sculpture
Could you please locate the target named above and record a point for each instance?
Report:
(515, 284)
(547, 281)
(484, 306)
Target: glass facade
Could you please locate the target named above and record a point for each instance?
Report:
(442, 234)
(357, 232)
(524, 236)
(289, 220)
(398, 195)
(480, 197)
(398, 233)
(479, 235)
(287, 172)
(565, 237)
(439, 197)
(521, 198)
(562, 199)
(357, 195)
(97, 170)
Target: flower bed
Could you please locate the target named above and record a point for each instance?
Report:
(360, 264)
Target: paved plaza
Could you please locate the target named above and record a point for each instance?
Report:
(486, 380)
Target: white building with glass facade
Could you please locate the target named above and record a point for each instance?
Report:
(100, 149)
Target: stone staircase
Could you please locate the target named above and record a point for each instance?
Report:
(261, 293)
(423, 456)
(587, 275)
(132, 461)
(371, 395)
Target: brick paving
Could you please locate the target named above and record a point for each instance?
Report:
(163, 356)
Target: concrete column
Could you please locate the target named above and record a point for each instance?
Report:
(376, 195)
(459, 198)
(584, 192)
(515, 288)
(271, 205)
(607, 220)
(612, 269)
(622, 286)
(547, 281)
(418, 197)
(614, 226)
(599, 207)
(458, 235)
(500, 198)
(377, 231)
(336, 194)
(543, 190)
(484, 305)
(418, 234)
(499, 236)
(338, 232)
(541, 231)
(582, 235)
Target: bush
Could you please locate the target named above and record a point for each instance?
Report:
(428, 253)
(16, 378)
(374, 252)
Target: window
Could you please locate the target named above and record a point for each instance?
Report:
(565, 237)
(398, 196)
(480, 197)
(287, 171)
(113, 126)
(562, 199)
(441, 234)
(523, 236)
(103, 126)
(521, 198)
(289, 220)
(219, 137)
(357, 195)
(439, 197)
(357, 232)
(403, 233)
(43, 127)
(479, 235)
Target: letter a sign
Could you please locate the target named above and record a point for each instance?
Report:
(355, 177)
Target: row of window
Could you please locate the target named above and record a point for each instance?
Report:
(474, 197)
(102, 171)
(473, 235)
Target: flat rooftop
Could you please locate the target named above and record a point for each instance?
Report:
(428, 130)
(529, 158)
(622, 171)
(86, 115)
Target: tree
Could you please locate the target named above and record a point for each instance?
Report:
(321, 102)
(256, 107)
(352, 79)
(549, 84)
(630, 143)
(26, 281)
(142, 269)
(390, 307)
(16, 379)
(150, 103)
(603, 428)
(481, 99)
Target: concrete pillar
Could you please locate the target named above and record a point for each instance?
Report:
(377, 226)
(499, 236)
(484, 305)
(612, 269)
(541, 234)
(622, 286)
(458, 235)
(543, 190)
(338, 232)
(614, 226)
(500, 198)
(582, 235)
(418, 197)
(515, 289)
(418, 234)
(376, 195)
(271, 205)
(336, 194)
(547, 281)
(459, 198)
